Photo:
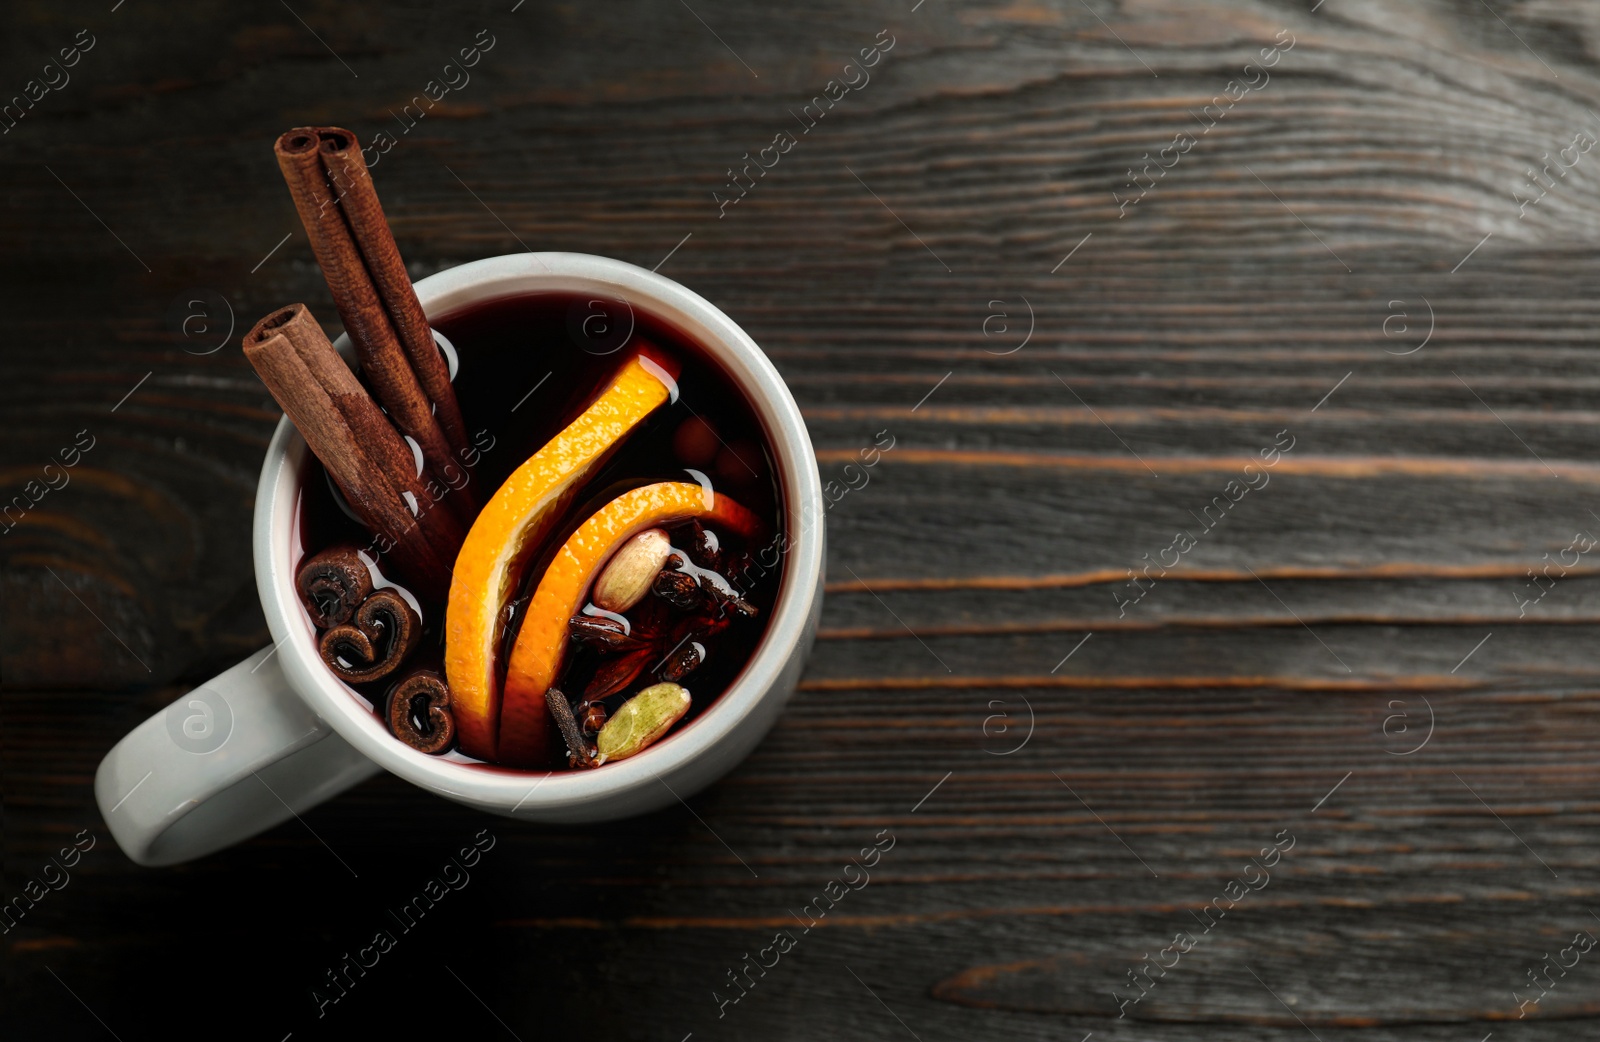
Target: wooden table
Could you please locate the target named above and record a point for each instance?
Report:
(1107, 280)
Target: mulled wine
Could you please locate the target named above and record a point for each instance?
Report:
(609, 505)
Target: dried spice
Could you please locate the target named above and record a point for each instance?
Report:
(617, 673)
(578, 752)
(419, 713)
(381, 635)
(642, 720)
(726, 599)
(682, 662)
(705, 549)
(691, 587)
(601, 632)
(625, 579)
(665, 638)
(678, 589)
(526, 732)
(333, 584)
(591, 717)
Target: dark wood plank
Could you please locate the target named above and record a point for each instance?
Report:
(1281, 676)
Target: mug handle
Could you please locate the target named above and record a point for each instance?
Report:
(229, 759)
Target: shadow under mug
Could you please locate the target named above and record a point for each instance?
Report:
(279, 733)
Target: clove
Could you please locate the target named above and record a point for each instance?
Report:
(578, 752)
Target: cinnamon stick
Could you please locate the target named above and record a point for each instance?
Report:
(370, 427)
(340, 431)
(383, 361)
(347, 171)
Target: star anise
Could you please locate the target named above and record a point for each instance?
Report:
(690, 587)
(600, 632)
(617, 672)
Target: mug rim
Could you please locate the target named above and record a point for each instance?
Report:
(275, 543)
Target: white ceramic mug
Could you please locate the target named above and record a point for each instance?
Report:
(279, 733)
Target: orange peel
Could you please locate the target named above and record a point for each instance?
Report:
(514, 522)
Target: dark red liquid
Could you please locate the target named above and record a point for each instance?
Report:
(528, 366)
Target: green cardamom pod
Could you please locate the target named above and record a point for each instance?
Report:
(642, 719)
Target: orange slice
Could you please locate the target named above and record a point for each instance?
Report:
(513, 523)
(526, 728)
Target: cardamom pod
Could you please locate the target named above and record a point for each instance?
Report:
(642, 719)
(626, 578)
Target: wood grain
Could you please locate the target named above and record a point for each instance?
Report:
(1340, 256)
